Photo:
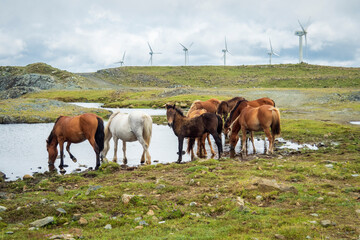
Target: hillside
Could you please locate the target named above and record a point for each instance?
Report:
(283, 75)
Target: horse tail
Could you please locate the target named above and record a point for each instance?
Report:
(147, 130)
(275, 125)
(99, 134)
(191, 142)
(273, 102)
(220, 125)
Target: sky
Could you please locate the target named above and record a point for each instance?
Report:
(88, 35)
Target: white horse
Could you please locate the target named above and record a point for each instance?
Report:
(129, 128)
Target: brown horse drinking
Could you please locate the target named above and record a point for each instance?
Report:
(201, 150)
(225, 107)
(193, 127)
(255, 119)
(76, 129)
(235, 112)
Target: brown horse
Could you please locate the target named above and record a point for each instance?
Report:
(209, 105)
(76, 129)
(255, 119)
(193, 127)
(201, 150)
(235, 112)
(225, 107)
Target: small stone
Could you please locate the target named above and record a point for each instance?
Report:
(42, 222)
(143, 223)
(9, 232)
(150, 213)
(279, 236)
(2, 209)
(60, 190)
(108, 226)
(314, 214)
(125, 198)
(259, 198)
(161, 222)
(325, 223)
(32, 228)
(27, 176)
(160, 186)
(308, 237)
(320, 199)
(61, 210)
(357, 211)
(137, 219)
(313, 222)
(139, 227)
(83, 221)
(76, 217)
(331, 194)
(329, 165)
(91, 189)
(98, 215)
(193, 204)
(1, 218)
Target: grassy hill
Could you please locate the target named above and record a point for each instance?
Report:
(283, 75)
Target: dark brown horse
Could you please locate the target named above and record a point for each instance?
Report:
(235, 112)
(201, 150)
(76, 129)
(255, 119)
(210, 105)
(225, 107)
(193, 127)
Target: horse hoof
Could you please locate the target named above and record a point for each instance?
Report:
(74, 160)
(178, 161)
(62, 171)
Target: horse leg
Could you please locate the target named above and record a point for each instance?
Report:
(243, 150)
(61, 166)
(268, 135)
(124, 152)
(211, 148)
(96, 150)
(252, 141)
(115, 148)
(68, 150)
(218, 142)
(181, 142)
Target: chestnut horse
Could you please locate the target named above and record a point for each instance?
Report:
(255, 119)
(225, 107)
(235, 112)
(193, 127)
(201, 150)
(76, 129)
(210, 105)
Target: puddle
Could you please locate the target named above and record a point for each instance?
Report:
(295, 146)
(355, 122)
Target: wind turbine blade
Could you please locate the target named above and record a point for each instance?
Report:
(191, 44)
(226, 45)
(123, 56)
(302, 26)
(276, 54)
(271, 49)
(183, 46)
(150, 47)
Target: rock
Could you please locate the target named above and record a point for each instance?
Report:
(2, 175)
(125, 198)
(27, 176)
(357, 211)
(1, 218)
(240, 202)
(279, 236)
(160, 186)
(192, 204)
(42, 222)
(150, 213)
(161, 222)
(143, 223)
(60, 190)
(329, 165)
(76, 217)
(139, 227)
(137, 219)
(314, 214)
(92, 188)
(32, 228)
(99, 215)
(108, 226)
(83, 221)
(259, 198)
(266, 185)
(2, 209)
(325, 223)
(63, 236)
(9, 232)
(61, 210)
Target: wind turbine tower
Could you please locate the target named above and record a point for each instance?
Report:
(151, 54)
(224, 52)
(271, 52)
(300, 34)
(186, 52)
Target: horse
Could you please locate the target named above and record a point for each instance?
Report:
(209, 105)
(76, 129)
(201, 150)
(135, 126)
(193, 127)
(254, 119)
(235, 112)
(226, 106)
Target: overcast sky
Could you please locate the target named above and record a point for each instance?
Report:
(88, 35)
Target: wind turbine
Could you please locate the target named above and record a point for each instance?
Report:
(300, 34)
(271, 52)
(151, 54)
(225, 51)
(122, 60)
(185, 49)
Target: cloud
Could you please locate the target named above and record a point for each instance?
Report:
(89, 35)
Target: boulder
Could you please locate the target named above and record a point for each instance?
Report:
(42, 222)
(266, 185)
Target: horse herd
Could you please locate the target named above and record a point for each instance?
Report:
(204, 118)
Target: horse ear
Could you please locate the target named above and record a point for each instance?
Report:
(173, 106)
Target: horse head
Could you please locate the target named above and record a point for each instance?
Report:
(170, 114)
(51, 147)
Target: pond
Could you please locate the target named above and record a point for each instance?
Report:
(23, 150)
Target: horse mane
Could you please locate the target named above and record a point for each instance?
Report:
(234, 108)
(51, 136)
(176, 109)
